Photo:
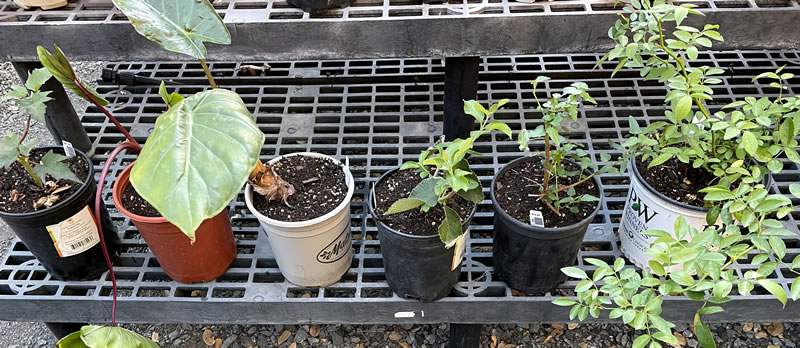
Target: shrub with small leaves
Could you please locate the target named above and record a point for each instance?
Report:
(13, 148)
(559, 149)
(446, 172)
(739, 145)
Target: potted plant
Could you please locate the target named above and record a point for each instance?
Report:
(210, 127)
(543, 204)
(423, 209)
(306, 216)
(45, 194)
(694, 148)
(693, 262)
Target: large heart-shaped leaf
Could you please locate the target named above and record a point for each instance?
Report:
(199, 155)
(177, 25)
(92, 336)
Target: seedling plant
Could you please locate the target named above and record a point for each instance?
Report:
(15, 149)
(560, 150)
(446, 173)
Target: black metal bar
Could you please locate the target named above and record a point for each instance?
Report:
(60, 118)
(61, 330)
(464, 336)
(460, 83)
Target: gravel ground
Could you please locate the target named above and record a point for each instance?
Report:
(22, 334)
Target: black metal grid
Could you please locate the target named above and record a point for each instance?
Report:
(377, 123)
(244, 11)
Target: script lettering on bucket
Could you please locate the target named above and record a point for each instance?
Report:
(336, 249)
(635, 217)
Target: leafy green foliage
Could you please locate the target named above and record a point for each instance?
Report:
(203, 150)
(13, 148)
(166, 23)
(53, 164)
(451, 172)
(560, 150)
(92, 336)
(739, 145)
(58, 65)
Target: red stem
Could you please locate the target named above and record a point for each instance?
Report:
(103, 109)
(97, 197)
(25, 134)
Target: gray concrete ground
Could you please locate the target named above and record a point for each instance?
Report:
(23, 334)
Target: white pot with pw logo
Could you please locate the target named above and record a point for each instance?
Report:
(314, 252)
(648, 209)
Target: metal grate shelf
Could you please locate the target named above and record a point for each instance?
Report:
(383, 28)
(377, 123)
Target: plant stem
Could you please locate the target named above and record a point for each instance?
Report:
(25, 133)
(564, 188)
(105, 111)
(27, 165)
(208, 74)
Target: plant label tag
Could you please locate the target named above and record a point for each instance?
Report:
(76, 234)
(458, 251)
(68, 149)
(536, 218)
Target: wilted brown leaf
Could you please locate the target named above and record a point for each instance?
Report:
(154, 337)
(208, 337)
(293, 345)
(314, 330)
(268, 184)
(680, 338)
(761, 335)
(494, 342)
(557, 326)
(16, 195)
(255, 70)
(405, 345)
(394, 336)
(218, 343)
(284, 336)
(775, 329)
(572, 326)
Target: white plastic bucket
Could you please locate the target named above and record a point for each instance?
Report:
(314, 252)
(655, 212)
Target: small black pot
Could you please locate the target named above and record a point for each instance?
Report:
(416, 267)
(530, 258)
(31, 229)
(317, 6)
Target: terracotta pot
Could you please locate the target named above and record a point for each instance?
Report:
(208, 258)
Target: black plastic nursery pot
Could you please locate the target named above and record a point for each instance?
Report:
(31, 228)
(416, 267)
(529, 258)
(317, 6)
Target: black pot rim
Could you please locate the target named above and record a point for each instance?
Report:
(529, 227)
(410, 236)
(86, 186)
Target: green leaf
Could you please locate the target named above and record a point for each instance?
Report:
(641, 341)
(750, 142)
(659, 159)
(450, 229)
(37, 78)
(795, 289)
(35, 105)
(692, 52)
(198, 157)
(169, 98)
(774, 288)
(574, 272)
(683, 106)
(52, 164)
(501, 126)
(633, 126)
(16, 92)
(703, 333)
(403, 204)
(682, 278)
(711, 310)
(474, 195)
(565, 302)
(794, 189)
(475, 109)
(425, 191)
(59, 66)
(8, 149)
(92, 336)
(666, 338)
(680, 14)
(181, 26)
(778, 246)
(722, 289)
(775, 165)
